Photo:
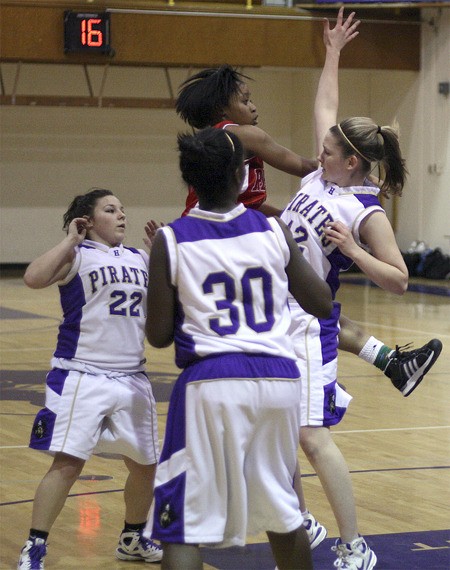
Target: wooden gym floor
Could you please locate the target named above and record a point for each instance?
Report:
(397, 448)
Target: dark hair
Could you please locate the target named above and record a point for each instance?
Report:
(209, 160)
(84, 205)
(374, 144)
(203, 97)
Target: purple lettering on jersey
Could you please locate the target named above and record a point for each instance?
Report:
(320, 226)
(135, 271)
(299, 200)
(126, 278)
(93, 276)
(305, 211)
(320, 210)
(105, 281)
(113, 274)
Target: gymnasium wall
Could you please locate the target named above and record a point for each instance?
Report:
(49, 154)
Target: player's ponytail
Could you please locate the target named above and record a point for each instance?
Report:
(371, 143)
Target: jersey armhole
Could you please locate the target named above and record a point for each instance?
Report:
(279, 234)
(73, 270)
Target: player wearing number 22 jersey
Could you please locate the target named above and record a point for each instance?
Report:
(99, 355)
(104, 285)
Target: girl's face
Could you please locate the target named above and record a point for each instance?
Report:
(335, 166)
(240, 109)
(108, 222)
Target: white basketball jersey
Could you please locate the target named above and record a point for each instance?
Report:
(232, 287)
(317, 203)
(104, 308)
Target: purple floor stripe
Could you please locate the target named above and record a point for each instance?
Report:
(404, 551)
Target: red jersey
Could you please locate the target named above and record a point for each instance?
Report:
(253, 192)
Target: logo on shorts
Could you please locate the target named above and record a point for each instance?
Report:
(332, 403)
(39, 429)
(166, 515)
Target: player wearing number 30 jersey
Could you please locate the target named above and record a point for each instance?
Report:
(218, 285)
(213, 322)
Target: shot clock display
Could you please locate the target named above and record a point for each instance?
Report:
(87, 33)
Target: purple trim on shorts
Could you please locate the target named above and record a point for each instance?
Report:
(216, 368)
(72, 302)
(332, 414)
(175, 435)
(191, 228)
(168, 517)
(56, 379)
(42, 430)
(241, 365)
(329, 331)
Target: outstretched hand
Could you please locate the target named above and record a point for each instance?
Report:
(150, 229)
(342, 33)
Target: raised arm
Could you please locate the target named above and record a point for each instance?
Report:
(259, 143)
(327, 98)
(54, 265)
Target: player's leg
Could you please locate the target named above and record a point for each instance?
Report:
(291, 550)
(138, 495)
(331, 468)
(405, 369)
(53, 490)
(138, 491)
(316, 532)
(49, 500)
(176, 556)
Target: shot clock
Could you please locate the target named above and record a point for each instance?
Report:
(87, 32)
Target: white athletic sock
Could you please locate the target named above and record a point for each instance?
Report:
(371, 349)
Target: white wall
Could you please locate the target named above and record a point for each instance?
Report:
(432, 203)
(49, 154)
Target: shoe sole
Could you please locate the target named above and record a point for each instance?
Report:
(131, 558)
(413, 382)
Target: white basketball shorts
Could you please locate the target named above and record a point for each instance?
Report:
(323, 401)
(98, 413)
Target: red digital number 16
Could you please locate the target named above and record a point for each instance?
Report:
(90, 36)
